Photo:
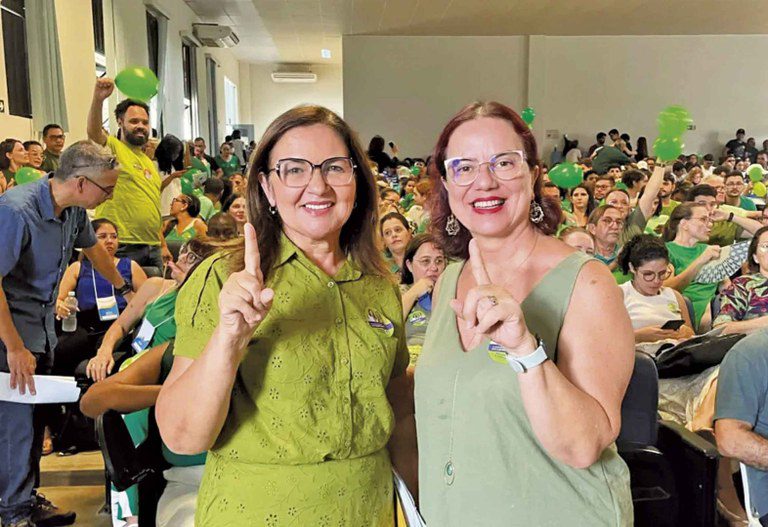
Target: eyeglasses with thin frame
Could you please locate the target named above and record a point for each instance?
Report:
(505, 166)
(107, 191)
(762, 247)
(612, 221)
(650, 276)
(297, 173)
(706, 220)
(438, 261)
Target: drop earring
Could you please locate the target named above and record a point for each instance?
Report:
(452, 225)
(537, 213)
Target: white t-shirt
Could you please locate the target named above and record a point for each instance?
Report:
(650, 310)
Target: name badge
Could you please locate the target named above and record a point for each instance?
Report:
(143, 337)
(107, 307)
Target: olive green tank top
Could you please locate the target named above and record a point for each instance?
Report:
(480, 462)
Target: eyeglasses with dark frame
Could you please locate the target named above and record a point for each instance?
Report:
(107, 191)
(505, 166)
(295, 172)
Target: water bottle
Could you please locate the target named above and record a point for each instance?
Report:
(69, 324)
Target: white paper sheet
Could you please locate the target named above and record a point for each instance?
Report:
(49, 388)
(411, 513)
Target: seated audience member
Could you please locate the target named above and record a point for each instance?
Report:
(406, 193)
(53, 137)
(35, 153)
(153, 306)
(678, 171)
(418, 214)
(727, 227)
(185, 224)
(745, 303)
(695, 175)
(13, 156)
(239, 183)
(665, 194)
(130, 392)
(649, 303)
(685, 234)
(227, 162)
(635, 181)
(734, 189)
(424, 263)
(579, 238)
(222, 226)
(582, 204)
(741, 414)
(235, 207)
(210, 201)
(603, 185)
(717, 182)
(395, 234)
(97, 302)
(605, 224)
(635, 220)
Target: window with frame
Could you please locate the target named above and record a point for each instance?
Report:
(16, 57)
(189, 66)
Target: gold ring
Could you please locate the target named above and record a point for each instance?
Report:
(494, 300)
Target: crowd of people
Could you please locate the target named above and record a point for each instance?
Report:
(302, 313)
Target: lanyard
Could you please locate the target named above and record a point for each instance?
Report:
(95, 291)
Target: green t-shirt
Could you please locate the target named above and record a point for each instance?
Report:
(724, 233)
(667, 209)
(700, 294)
(309, 418)
(228, 167)
(135, 204)
(746, 203)
(50, 162)
(206, 208)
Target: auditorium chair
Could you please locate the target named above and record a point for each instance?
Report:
(673, 471)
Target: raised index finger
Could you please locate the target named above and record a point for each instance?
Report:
(478, 266)
(252, 255)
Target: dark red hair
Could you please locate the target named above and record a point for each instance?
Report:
(458, 246)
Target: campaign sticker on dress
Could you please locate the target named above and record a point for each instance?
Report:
(497, 352)
(380, 322)
(417, 318)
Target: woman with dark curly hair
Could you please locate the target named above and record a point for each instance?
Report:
(518, 386)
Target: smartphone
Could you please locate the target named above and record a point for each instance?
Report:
(391, 144)
(674, 325)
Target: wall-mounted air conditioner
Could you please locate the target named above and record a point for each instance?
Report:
(293, 76)
(215, 36)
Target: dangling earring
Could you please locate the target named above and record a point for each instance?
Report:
(272, 210)
(452, 226)
(537, 213)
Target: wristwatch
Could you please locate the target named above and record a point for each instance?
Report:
(127, 287)
(528, 362)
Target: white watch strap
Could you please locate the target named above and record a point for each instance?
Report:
(529, 361)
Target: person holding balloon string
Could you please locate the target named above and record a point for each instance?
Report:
(135, 205)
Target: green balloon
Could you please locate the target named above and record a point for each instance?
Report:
(137, 82)
(415, 170)
(566, 175)
(26, 175)
(673, 121)
(528, 116)
(759, 189)
(755, 172)
(667, 148)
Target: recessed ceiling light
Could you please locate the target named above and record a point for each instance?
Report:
(325, 53)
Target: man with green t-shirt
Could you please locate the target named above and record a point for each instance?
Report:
(135, 205)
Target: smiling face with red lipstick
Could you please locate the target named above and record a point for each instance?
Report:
(489, 183)
(311, 183)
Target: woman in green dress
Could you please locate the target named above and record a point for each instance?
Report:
(186, 223)
(286, 350)
(519, 385)
(395, 234)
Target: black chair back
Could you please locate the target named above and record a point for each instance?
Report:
(639, 425)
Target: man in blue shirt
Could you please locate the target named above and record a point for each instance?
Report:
(741, 414)
(40, 225)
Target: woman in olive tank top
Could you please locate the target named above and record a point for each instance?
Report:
(529, 351)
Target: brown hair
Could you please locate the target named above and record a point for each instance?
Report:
(424, 187)
(458, 246)
(684, 211)
(357, 237)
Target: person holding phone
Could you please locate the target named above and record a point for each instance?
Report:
(657, 312)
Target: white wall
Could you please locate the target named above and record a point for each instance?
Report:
(587, 84)
(269, 99)
(406, 88)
